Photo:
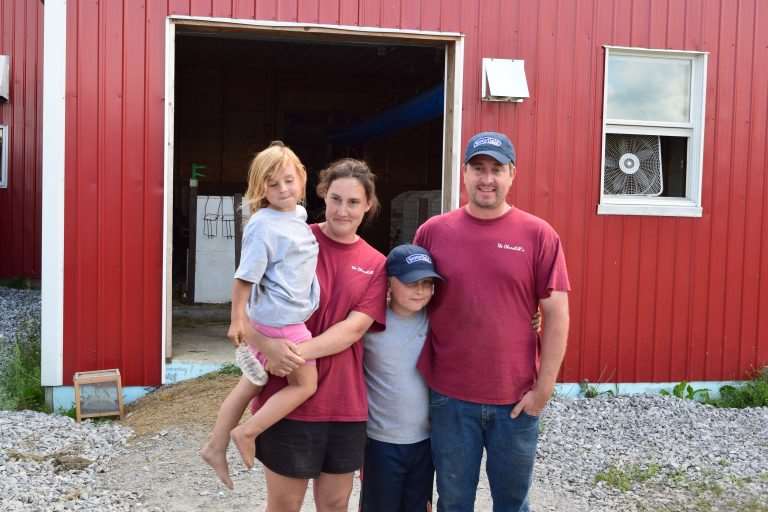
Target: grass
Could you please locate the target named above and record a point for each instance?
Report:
(71, 412)
(624, 479)
(752, 506)
(593, 391)
(19, 283)
(229, 369)
(20, 378)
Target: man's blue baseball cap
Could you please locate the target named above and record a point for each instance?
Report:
(493, 144)
(410, 263)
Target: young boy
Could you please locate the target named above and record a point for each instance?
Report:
(398, 472)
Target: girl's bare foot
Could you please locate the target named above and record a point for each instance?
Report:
(217, 459)
(246, 445)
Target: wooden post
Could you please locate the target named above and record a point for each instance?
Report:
(238, 228)
(192, 245)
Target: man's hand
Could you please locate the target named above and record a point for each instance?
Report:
(532, 403)
(282, 357)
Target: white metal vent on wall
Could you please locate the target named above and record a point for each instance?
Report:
(504, 80)
(5, 77)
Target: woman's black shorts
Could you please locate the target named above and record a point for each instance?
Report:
(304, 449)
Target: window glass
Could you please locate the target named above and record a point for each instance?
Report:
(648, 89)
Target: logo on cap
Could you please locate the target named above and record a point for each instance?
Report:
(413, 258)
(487, 140)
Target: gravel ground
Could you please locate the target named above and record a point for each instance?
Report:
(630, 453)
(17, 306)
(49, 462)
(655, 454)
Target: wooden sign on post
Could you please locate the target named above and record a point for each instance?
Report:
(98, 393)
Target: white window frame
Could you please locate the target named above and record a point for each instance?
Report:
(4, 131)
(690, 205)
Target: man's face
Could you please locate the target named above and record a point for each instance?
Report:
(487, 181)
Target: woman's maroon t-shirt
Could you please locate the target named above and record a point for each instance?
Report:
(352, 278)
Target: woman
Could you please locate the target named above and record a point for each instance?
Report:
(324, 438)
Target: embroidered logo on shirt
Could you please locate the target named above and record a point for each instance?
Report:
(509, 247)
(413, 258)
(362, 270)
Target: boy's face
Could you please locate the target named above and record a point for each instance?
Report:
(410, 297)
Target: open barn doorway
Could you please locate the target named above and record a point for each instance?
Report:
(236, 89)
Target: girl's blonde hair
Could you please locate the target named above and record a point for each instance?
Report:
(267, 164)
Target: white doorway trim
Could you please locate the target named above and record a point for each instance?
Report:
(54, 153)
(454, 65)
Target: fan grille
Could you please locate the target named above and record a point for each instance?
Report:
(632, 165)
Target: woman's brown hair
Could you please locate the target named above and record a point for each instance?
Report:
(351, 168)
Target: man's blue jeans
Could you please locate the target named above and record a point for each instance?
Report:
(460, 430)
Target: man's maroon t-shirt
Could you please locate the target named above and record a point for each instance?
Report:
(481, 346)
(352, 278)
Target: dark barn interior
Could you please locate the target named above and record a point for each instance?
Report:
(236, 91)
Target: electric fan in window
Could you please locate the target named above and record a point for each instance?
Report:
(632, 165)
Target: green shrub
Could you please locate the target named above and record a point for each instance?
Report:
(20, 377)
(753, 393)
(687, 392)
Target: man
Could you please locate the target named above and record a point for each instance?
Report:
(489, 373)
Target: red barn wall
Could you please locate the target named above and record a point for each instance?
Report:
(21, 38)
(654, 298)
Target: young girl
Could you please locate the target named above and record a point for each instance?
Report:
(275, 290)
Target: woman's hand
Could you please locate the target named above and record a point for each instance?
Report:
(282, 356)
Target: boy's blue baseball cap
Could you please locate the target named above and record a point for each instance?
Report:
(410, 263)
(493, 144)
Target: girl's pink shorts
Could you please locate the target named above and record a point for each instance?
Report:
(296, 333)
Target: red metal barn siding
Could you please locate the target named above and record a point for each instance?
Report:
(654, 298)
(21, 37)
(114, 188)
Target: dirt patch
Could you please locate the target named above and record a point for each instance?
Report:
(163, 468)
(162, 465)
(192, 403)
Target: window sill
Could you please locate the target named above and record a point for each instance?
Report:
(655, 210)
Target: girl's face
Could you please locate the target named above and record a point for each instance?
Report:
(345, 206)
(284, 189)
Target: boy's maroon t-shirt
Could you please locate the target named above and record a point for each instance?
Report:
(352, 278)
(481, 346)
